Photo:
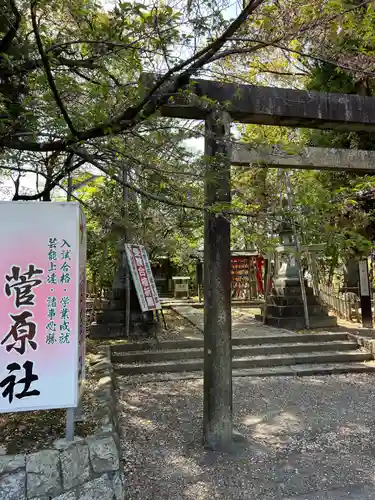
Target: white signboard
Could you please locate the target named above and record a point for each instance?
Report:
(42, 305)
(142, 277)
(363, 278)
(181, 287)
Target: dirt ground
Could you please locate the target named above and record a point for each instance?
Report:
(308, 438)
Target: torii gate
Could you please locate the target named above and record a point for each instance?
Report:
(222, 103)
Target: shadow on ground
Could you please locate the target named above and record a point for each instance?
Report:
(309, 438)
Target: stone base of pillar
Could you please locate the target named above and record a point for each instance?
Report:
(141, 329)
(110, 322)
(285, 308)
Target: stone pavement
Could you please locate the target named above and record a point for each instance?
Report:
(305, 439)
(243, 323)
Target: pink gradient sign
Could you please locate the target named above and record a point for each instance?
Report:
(42, 305)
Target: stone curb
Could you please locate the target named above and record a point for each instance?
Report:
(84, 469)
(365, 342)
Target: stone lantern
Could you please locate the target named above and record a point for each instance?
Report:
(285, 306)
(287, 274)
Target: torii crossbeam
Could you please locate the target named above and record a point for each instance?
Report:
(353, 160)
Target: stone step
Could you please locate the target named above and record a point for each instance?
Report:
(117, 330)
(109, 330)
(200, 305)
(291, 291)
(236, 341)
(159, 367)
(113, 316)
(302, 370)
(302, 358)
(237, 351)
(110, 316)
(291, 311)
(280, 300)
(157, 356)
(293, 323)
(246, 363)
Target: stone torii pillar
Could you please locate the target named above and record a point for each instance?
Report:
(217, 414)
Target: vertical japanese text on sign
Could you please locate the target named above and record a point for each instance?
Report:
(22, 334)
(142, 277)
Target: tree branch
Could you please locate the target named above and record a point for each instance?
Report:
(48, 71)
(197, 61)
(6, 42)
(108, 43)
(281, 73)
(33, 64)
(88, 63)
(51, 182)
(84, 77)
(304, 54)
(48, 178)
(149, 104)
(84, 154)
(89, 159)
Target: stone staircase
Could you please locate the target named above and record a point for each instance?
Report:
(287, 310)
(294, 354)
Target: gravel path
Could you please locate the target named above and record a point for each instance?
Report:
(307, 439)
